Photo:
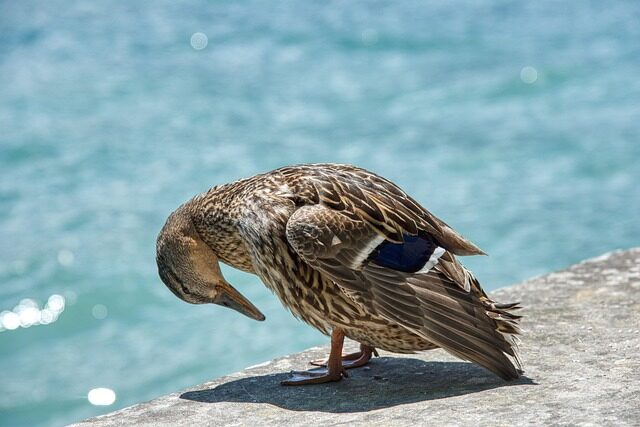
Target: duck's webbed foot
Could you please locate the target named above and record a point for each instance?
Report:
(353, 360)
(333, 371)
(314, 376)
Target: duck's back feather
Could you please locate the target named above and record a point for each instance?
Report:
(362, 195)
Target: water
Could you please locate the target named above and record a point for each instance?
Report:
(518, 123)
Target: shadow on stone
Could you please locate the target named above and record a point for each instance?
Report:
(384, 383)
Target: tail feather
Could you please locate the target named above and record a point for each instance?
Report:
(466, 323)
(506, 323)
(496, 350)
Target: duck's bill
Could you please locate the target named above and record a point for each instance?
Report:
(229, 297)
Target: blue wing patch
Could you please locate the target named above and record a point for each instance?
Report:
(409, 256)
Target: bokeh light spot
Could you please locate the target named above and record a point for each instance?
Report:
(66, 258)
(9, 320)
(29, 316)
(47, 316)
(99, 311)
(55, 302)
(101, 396)
(528, 75)
(28, 313)
(199, 41)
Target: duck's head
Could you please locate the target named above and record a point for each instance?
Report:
(190, 268)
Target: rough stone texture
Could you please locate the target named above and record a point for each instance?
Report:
(580, 353)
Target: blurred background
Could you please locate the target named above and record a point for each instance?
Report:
(516, 122)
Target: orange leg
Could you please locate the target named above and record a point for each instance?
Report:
(353, 360)
(333, 371)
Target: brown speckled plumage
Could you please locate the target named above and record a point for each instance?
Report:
(306, 232)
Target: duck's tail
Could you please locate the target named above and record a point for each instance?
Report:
(469, 324)
(507, 324)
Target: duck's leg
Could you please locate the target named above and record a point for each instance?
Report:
(333, 371)
(352, 360)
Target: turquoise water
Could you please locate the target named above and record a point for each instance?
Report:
(516, 122)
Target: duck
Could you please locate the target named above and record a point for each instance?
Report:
(349, 253)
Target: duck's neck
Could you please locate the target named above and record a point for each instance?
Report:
(215, 215)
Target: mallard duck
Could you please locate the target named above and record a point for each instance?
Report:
(347, 252)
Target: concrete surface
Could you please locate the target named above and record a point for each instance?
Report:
(580, 350)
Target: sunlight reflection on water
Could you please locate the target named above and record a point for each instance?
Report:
(101, 396)
(28, 313)
(517, 129)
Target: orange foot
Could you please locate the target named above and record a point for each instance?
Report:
(353, 360)
(314, 376)
(334, 370)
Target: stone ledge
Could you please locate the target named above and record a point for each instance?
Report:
(580, 352)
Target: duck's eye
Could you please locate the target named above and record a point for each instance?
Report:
(185, 290)
(174, 278)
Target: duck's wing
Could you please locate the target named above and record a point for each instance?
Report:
(415, 283)
(363, 195)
